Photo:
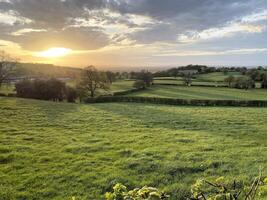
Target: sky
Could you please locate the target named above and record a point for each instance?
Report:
(131, 33)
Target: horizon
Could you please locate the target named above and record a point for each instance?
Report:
(118, 33)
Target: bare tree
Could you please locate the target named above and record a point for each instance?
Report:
(92, 80)
(7, 67)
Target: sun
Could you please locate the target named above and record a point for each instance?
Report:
(55, 52)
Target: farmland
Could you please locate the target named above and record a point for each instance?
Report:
(217, 76)
(57, 150)
(183, 92)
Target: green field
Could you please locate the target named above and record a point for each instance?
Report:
(56, 150)
(217, 76)
(184, 92)
(119, 86)
(7, 89)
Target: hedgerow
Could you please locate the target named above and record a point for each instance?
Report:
(181, 102)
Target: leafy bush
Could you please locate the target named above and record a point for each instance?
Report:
(223, 189)
(51, 89)
(220, 189)
(120, 192)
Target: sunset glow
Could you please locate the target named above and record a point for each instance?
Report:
(54, 53)
(123, 33)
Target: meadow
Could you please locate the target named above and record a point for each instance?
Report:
(195, 92)
(7, 89)
(217, 76)
(58, 150)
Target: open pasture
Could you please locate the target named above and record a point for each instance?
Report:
(194, 92)
(57, 151)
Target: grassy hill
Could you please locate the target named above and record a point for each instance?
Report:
(56, 151)
(183, 92)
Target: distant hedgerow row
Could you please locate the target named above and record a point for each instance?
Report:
(180, 102)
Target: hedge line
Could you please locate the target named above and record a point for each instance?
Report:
(180, 102)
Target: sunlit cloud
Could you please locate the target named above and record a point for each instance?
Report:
(12, 17)
(114, 24)
(26, 30)
(260, 16)
(226, 31)
(244, 25)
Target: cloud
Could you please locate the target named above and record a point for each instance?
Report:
(82, 25)
(73, 38)
(13, 18)
(26, 30)
(226, 31)
(246, 24)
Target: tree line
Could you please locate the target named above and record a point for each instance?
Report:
(248, 80)
(90, 82)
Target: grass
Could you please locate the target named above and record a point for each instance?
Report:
(57, 150)
(194, 82)
(216, 76)
(119, 86)
(183, 92)
(7, 89)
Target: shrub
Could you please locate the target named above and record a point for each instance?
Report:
(220, 189)
(51, 89)
(120, 192)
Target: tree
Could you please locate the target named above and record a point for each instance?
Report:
(111, 76)
(187, 79)
(264, 81)
(229, 80)
(7, 67)
(71, 94)
(244, 83)
(254, 74)
(145, 76)
(139, 84)
(92, 80)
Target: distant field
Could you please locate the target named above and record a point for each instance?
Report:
(194, 82)
(7, 89)
(57, 151)
(119, 86)
(183, 92)
(217, 76)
